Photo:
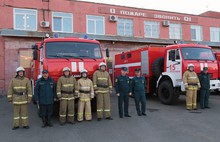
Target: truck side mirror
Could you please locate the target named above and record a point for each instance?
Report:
(35, 54)
(107, 52)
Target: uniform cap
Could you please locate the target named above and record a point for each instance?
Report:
(124, 68)
(102, 64)
(45, 71)
(66, 69)
(20, 69)
(205, 68)
(137, 70)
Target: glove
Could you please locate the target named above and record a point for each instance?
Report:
(186, 86)
(110, 91)
(130, 94)
(118, 94)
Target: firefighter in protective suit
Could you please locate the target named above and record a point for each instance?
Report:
(20, 94)
(103, 87)
(65, 92)
(86, 93)
(192, 84)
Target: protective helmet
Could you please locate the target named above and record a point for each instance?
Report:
(83, 71)
(190, 65)
(20, 69)
(66, 69)
(102, 64)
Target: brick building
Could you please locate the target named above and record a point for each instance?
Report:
(116, 27)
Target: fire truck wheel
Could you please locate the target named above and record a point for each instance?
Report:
(166, 93)
(158, 66)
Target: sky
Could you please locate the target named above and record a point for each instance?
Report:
(181, 6)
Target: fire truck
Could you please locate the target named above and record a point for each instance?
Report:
(53, 54)
(163, 67)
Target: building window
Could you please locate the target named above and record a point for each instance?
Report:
(62, 22)
(125, 27)
(215, 34)
(196, 33)
(175, 31)
(151, 29)
(25, 19)
(95, 25)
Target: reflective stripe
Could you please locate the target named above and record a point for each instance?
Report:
(77, 91)
(92, 93)
(84, 87)
(71, 115)
(24, 117)
(192, 88)
(88, 114)
(58, 93)
(16, 118)
(62, 115)
(19, 87)
(99, 110)
(29, 95)
(102, 78)
(9, 96)
(107, 110)
(67, 98)
(18, 103)
(80, 113)
(86, 100)
(110, 86)
(186, 84)
(192, 77)
(67, 85)
(95, 86)
(101, 91)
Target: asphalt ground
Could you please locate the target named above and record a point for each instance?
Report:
(163, 123)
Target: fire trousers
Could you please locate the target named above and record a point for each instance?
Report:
(66, 110)
(191, 96)
(20, 111)
(103, 104)
(84, 104)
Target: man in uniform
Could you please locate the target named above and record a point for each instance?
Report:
(86, 93)
(191, 82)
(65, 92)
(44, 94)
(138, 84)
(20, 94)
(204, 79)
(123, 90)
(103, 87)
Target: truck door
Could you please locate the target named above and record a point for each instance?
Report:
(174, 63)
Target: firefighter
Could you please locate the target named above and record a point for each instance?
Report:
(191, 83)
(20, 94)
(86, 93)
(103, 87)
(65, 92)
(204, 79)
(45, 94)
(138, 84)
(123, 90)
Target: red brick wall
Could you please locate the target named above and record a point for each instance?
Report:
(2, 65)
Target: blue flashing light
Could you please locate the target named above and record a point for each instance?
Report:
(181, 42)
(85, 37)
(55, 35)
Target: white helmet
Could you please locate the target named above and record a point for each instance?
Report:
(190, 65)
(20, 69)
(102, 64)
(66, 69)
(84, 70)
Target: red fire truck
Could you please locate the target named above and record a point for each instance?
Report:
(54, 54)
(163, 67)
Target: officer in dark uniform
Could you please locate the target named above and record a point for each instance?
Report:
(45, 93)
(123, 90)
(204, 79)
(138, 85)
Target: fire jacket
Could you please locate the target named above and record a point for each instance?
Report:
(102, 81)
(190, 80)
(85, 89)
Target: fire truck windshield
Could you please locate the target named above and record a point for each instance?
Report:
(77, 50)
(194, 53)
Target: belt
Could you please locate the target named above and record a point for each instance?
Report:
(82, 91)
(20, 93)
(193, 84)
(103, 86)
(67, 92)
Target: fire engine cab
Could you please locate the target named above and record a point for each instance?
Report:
(163, 67)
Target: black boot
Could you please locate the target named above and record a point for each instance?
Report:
(49, 123)
(44, 123)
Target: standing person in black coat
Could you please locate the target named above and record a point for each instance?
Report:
(204, 79)
(45, 93)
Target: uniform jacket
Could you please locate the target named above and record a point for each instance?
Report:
(138, 84)
(19, 91)
(45, 91)
(85, 89)
(190, 77)
(66, 87)
(122, 84)
(204, 80)
(101, 81)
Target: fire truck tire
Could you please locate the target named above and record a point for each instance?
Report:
(166, 93)
(158, 66)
